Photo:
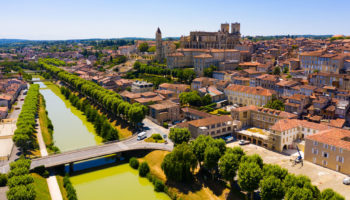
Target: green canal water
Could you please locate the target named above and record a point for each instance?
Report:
(73, 131)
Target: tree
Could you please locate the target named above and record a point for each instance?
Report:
(271, 188)
(179, 135)
(211, 157)
(228, 166)
(137, 65)
(143, 47)
(206, 100)
(237, 151)
(143, 169)
(3, 180)
(180, 163)
(274, 170)
(275, 103)
(136, 114)
(191, 98)
(296, 193)
(25, 192)
(277, 70)
(329, 194)
(255, 158)
(199, 145)
(249, 176)
(301, 182)
(208, 72)
(151, 49)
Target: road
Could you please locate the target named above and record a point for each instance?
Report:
(150, 128)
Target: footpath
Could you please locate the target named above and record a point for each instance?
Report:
(52, 183)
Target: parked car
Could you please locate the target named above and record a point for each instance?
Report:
(141, 136)
(244, 142)
(346, 181)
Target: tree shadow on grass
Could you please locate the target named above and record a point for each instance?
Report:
(216, 185)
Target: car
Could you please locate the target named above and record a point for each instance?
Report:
(141, 136)
(244, 142)
(346, 181)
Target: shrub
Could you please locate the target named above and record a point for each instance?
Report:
(159, 185)
(3, 180)
(134, 163)
(165, 125)
(20, 180)
(71, 193)
(143, 169)
(157, 136)
(18, 172)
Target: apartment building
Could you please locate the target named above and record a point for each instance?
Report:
(214, 126)
(329, 148)
(296, 104)
(321, 61)
(253, 116)
(340, 81)
(284, 132)
(165, 111)
(245, 95)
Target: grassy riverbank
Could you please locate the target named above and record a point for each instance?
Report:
(44, 122)
(201, 189)
(41, 187)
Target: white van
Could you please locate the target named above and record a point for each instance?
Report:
(141, 135)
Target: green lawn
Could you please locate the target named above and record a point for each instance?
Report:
(41, 188)
(60, 184)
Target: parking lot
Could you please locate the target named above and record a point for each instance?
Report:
(320, 176)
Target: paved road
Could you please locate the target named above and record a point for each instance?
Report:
(150, 128)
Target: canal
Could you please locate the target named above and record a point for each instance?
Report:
(106, 181)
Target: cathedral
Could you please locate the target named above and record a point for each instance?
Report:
(222, 39)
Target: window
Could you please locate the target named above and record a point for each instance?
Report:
(325, 146)
(314, 151)
(314, 159)
(333, 148)
(324, 162)
(213, 132)
(325, 154)
(340, 150)
(315, 143)
(340, 159)
(213, 126)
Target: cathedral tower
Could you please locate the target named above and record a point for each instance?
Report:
(159, 46)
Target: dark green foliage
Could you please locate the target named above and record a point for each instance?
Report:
(3, 180)
(143, 169)
(20, 181)
(275, 104)
(208, 72)
(193, 99)
(271, 188)
(329, 194)
(277, 70)
(71, 192)
(274, 170)
(296, 193)
(255, 158)
(134, 163)
(24, 137)
(143, 47)
(159, 185)
(228, 165)
(249, 176)
(180, 163)
(21, 192)
(179, 135)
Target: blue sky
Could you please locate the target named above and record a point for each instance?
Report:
(79, 19)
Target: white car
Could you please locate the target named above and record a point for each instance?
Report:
(244, 142)
(346, 181)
